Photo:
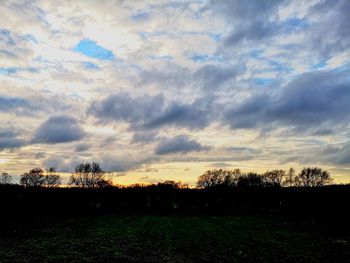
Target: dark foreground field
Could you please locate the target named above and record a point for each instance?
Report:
(162, 224)
(157, 238)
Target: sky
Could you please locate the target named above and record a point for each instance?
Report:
(165, 90)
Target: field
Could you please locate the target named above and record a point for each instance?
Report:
(175, 238)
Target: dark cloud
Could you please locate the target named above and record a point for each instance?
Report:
(251, 20)
(151, 112)
(63, 163)
(212, 77)
(310, 100)
(8, 104)
(144, 137)
(82, 147)
(331, 34)
(337, 155)
(122, 163)
(243, 149)
(10, 139)
(178, 144)
(59, 129)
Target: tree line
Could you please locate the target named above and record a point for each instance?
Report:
(307, 177)
(85, 175)
(91, 175)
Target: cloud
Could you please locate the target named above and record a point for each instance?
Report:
(144, 137)
(17, 104)
(212, 77)
(337, 155)
(63, 163)
(251, 21)
(10, 139)
(151, 112)
(59, 129)
(178, 144)
(310, 100)
(83, 147)
(124, 162)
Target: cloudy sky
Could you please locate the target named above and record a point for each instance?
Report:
(168, 89)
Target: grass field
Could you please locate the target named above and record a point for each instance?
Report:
(175, 239)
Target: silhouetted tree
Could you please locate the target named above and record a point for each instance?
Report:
(273, 178)
(250, 180)
(313, 176)
(218, 177)
(289, 178)
(51, 179)
(35, 177)
(172, 184)
(5, 178)
(88, 175)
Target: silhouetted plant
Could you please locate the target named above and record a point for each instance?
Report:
(88, 175)
(273, 178)
(289, 178)
(35, 177)
(172, 184)
(250, 180)
(218, 177)
(5, 178)
(313, 176)
(51, 179)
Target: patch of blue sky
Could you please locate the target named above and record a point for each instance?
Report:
(279, 67)
(142, 16)
(215, 37)
(90, 65)
(263, 81)
(14, 70)
(318, 66)
(91, 49)
(202, 58)
(31, 38)
(256, 53)
(294, 23)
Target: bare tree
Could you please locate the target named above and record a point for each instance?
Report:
(5, 178)
(289, 178)
(218, 177)
(51, 179)
(88, 175)
(313, 176)
(250, 180)
(35, 177)
(273, 178)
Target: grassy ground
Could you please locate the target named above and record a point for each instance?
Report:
(175, 239)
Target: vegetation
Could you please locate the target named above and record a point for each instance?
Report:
(91, 175)
(308, 177)
(38, 177)
(88, 175)
(5, 178)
